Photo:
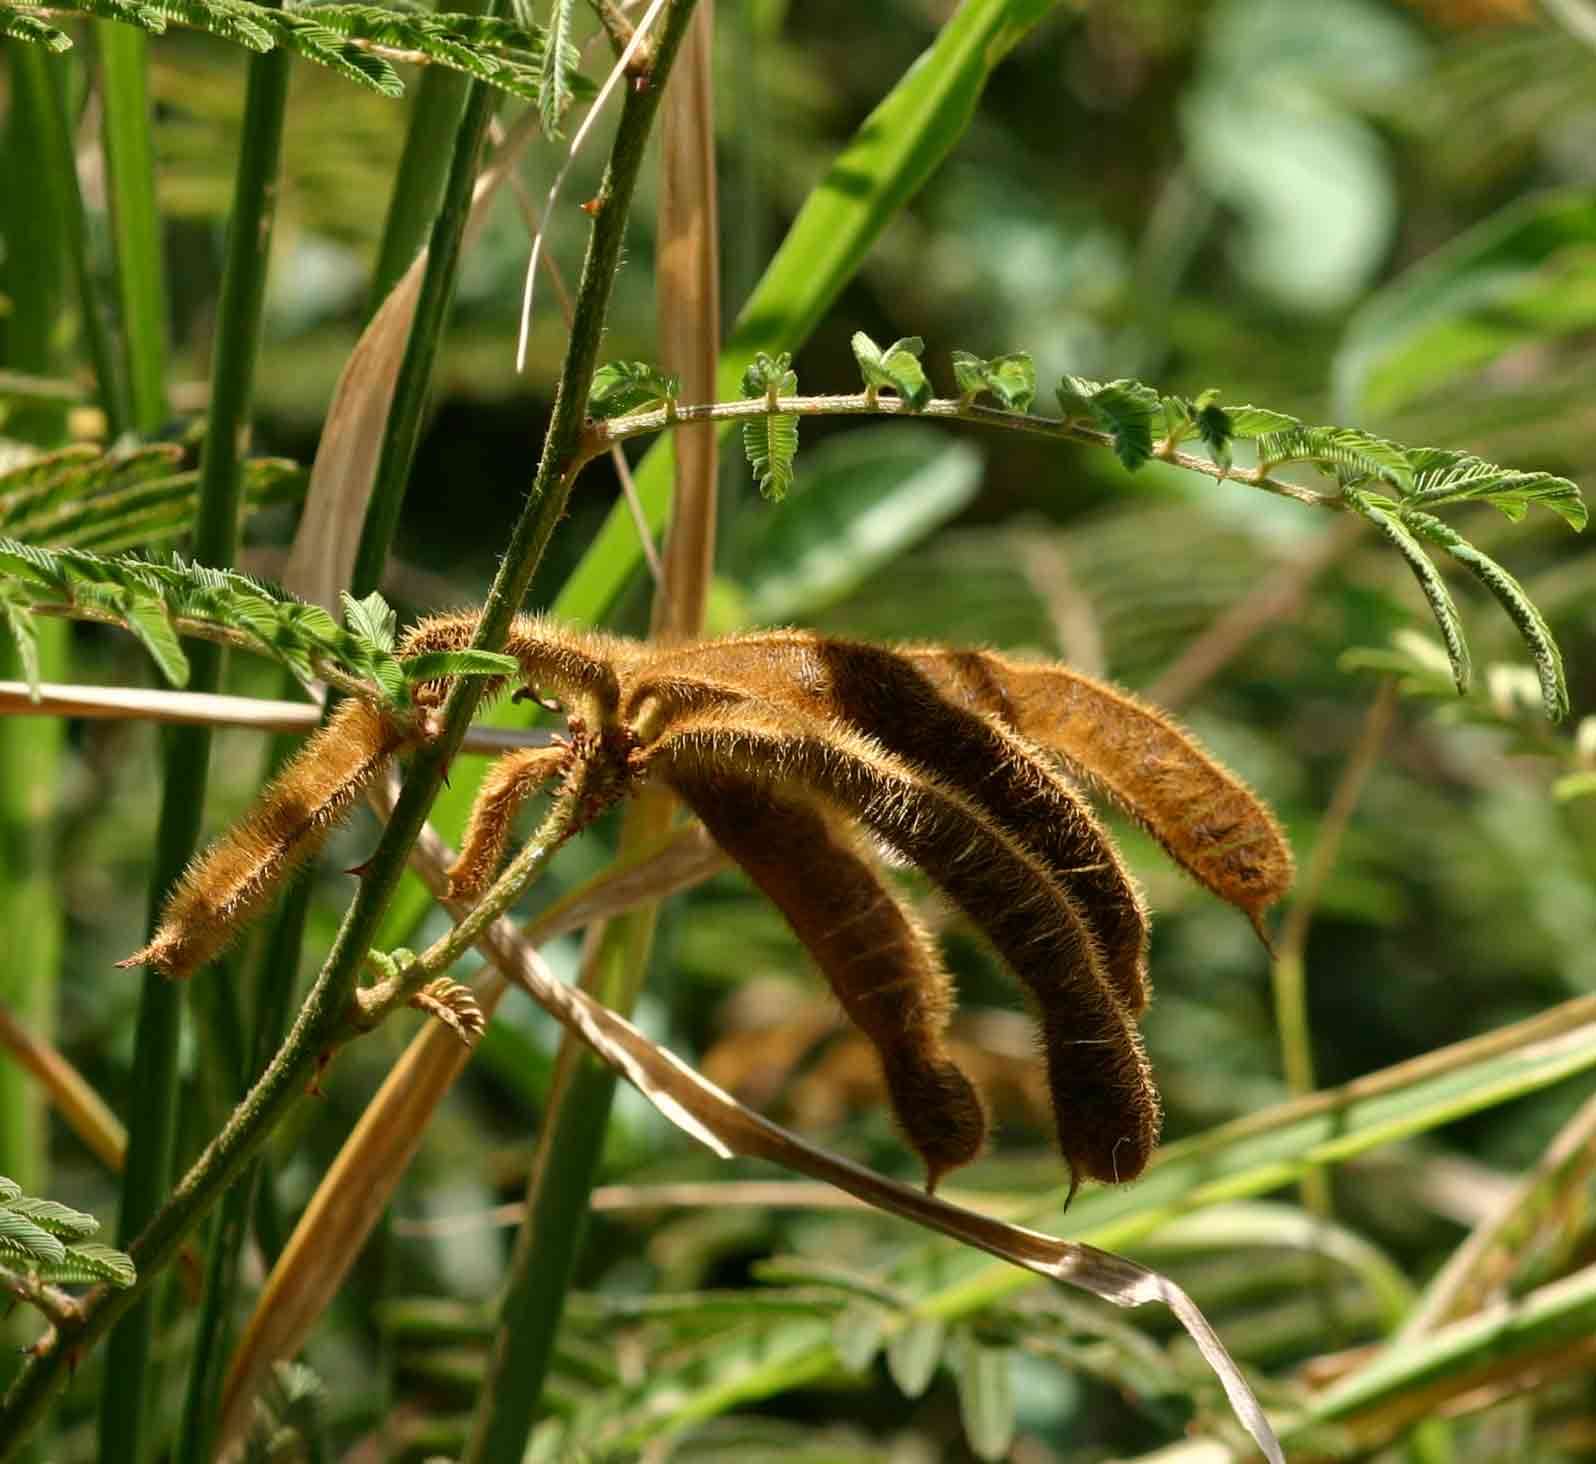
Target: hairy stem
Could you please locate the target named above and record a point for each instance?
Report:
(865, 404)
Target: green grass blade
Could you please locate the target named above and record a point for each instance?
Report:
(129, 134)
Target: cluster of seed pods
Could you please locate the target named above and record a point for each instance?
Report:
(799, 752)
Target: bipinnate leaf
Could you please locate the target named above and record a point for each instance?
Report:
(1353, 457)
(857, 1335)
(771, 441)
(1123, 409)
(1510, 594)
(19, 625)
(986, 1397)
(913, 1355)
(60, 1220)
(372, 620)
(21, 26)
(1011, 379)
(88, 1264)
(897, 368)
(560, 57)
(1384, 515)
(146, 617)
(9, 1190)
(629, 386)
(27, 1240)
(1442, 477)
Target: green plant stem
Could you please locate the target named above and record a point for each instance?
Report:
(322, 1022)
(130, 171)
(238, 332)
(418, 187)
(549, 1241)
(602, 435)
(402, 429)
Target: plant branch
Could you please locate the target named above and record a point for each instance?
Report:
(600, 435)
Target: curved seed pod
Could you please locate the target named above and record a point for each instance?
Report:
(513, 779)
(578, 667)
(881, 694)
(1098, 1075)
(884, 968)
(1209, 821)
(235, 879)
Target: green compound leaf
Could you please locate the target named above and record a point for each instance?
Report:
(629, 386)
(435, 665)
(1510, 594)
(1248, 422)
(1011, 378)
(913, 1355)
(897, 368)
(26, 1240)
(24, 636)
(1354, 457)
(1441, 476)
(23, 27)
(146, 617)
(1383, 514)
(986, 1397)
(771, 442)
(1124, 409)
(89, 1264)
(372, 620)
(59, 1220)
(560, 57)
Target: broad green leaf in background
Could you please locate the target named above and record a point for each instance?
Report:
(864, 498)
(1270, 133)
(1525, 275)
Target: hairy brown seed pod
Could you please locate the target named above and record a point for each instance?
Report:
(513, 779)
(884, 968)
(1209, 821)
(879, 693)
(1101, 1085)
(234, 879)
(580, 668)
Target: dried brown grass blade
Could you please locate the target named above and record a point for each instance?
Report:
(323, 553)
(688, 289)
(357, 1187)
(85, 1112)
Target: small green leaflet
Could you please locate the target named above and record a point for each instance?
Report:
(60, 1220)
(629, 386)
(1011, 379)
(560, 57)
(771, 441)
(1441, 477)
(88, 1264)
(897, 368)
(19, 623)
(913, 1355)
(1124, 409)
(1510, 595)
(1384, 515)
(986, 1397)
